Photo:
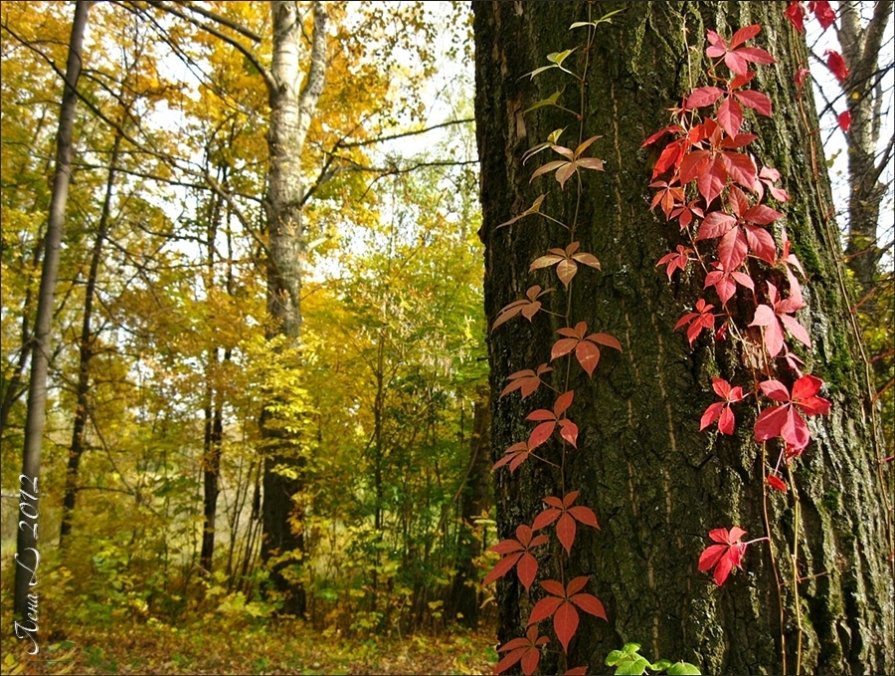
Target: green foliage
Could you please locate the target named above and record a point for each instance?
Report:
(629, 662)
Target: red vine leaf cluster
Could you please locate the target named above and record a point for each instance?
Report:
(709, 182)
(558, 601)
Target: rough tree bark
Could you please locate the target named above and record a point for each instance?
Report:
(26, 539)
(292, 106)
(657, 484)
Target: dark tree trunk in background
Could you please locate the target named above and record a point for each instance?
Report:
(85, 355)
(475, 498)
(26, 539)
(657, 483)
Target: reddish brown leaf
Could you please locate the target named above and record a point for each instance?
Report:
(545, 518)
(545, 261)
(565, 624)
(606, 340)
(544, 608)
(590, 604)
(562, 347)
(584, 515)
(569, 431)
(563, 402)
(566, 270)
(565, 531)
(541, 433)
(587, 259)
(588, 355)
(526, 381)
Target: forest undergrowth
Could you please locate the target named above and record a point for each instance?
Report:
(220, 645)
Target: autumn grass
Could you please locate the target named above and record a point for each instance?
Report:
(217, 645)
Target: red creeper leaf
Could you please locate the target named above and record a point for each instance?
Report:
(844, 120)
(676, 260)
(777, 483)
(836, 64)
(823, 12)
(725, 556)
(525, 650)
(796, 15)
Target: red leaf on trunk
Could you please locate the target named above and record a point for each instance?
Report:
(796, 15)
(776, 483)
(565, 624)
(724, 556)
(676, 260)
(703, 96)
(561, 604)
(526, 381)
(514, 456)
(565, 515)
(720, 410)
(516, 553)
(785, 421)
(735, 57)
(527, 307)
(697, 321)
(730, 116)
(757, 101)
(525, 650)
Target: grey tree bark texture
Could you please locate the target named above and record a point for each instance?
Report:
(35, 417)
(293, 102)
(658, 484)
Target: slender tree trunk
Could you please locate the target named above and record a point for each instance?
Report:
(26, 541)
(211, 464)
(656, 482)
(292, 106)
(85, 354)
(214, 397)
(861, 49)
(475, 499)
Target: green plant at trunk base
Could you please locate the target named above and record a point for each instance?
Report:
(629, 662)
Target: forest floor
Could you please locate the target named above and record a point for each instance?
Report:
(271, 647)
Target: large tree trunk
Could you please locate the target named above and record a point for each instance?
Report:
(26, 541)
(656, 482)
(292, 106)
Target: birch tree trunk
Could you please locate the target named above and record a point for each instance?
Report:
(656, 482)
(292, 106)
(861, 47)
